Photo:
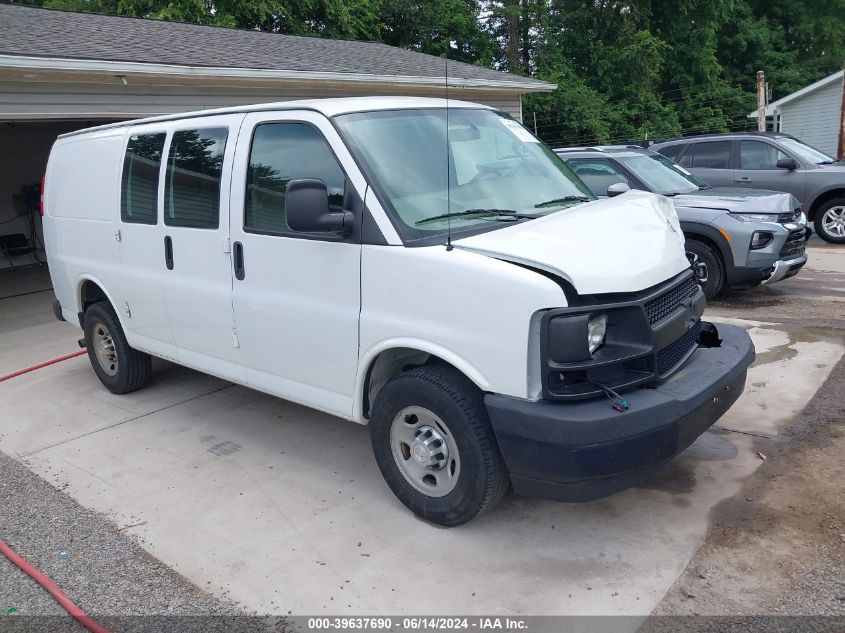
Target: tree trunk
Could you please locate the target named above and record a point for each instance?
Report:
(512, 28)
(525, 37)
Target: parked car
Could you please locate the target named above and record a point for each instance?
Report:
(437, 273)
(769, 160)
(735, 237)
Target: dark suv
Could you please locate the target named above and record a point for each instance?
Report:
(769, 160)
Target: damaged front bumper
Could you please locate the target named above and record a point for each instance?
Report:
(583, 450)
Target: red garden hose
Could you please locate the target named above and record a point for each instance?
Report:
(52, 588)
(40, 365)
(84, 619)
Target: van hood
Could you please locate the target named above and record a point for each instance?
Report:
(622, 244)
(738, 200)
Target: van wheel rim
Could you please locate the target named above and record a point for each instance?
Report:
(833, 221)
(104, 348)
(425, 451)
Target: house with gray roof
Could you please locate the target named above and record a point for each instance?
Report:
(61, 71)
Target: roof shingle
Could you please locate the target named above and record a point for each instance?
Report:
(35, 32)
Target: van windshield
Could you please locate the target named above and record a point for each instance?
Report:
(492, 172)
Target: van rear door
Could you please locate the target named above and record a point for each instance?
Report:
(296, 296)
(195, 244)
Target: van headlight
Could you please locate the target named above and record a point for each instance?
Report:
(596, 329)
(573, 338)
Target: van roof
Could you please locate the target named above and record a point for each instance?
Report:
(328, 107)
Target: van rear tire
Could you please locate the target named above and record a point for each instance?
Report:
(435, 447)
(120, 368)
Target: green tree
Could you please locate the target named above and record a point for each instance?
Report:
(438, 27)
(625, 69)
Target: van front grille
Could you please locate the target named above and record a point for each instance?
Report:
(664, 305)
(670, 356)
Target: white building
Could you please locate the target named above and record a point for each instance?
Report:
(811, 114)
(61, 71)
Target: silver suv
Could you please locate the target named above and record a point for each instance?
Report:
(737, 238)
(769, 160)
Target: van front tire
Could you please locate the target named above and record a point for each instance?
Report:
(120, 368)
(434, 445)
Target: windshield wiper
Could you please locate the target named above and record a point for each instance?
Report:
(508, 213)
(549, 203)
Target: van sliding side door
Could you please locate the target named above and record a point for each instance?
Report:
(296, 296)
(195, 246)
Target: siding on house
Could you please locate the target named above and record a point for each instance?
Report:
(41, 100)
(814, 117)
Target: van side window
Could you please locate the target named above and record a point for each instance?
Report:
(192, 184)
(282, 152)
(139, 182)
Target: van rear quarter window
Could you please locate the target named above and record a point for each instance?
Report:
(139, 183)
(282, 152)
(192, 183)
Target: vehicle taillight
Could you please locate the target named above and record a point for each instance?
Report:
(41, 204)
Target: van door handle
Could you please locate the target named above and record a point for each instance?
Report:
(744, 179)
(168, 252)
(238, 260)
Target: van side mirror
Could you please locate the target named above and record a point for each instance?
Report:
(787, 163)
(307, 209)
(617, 188)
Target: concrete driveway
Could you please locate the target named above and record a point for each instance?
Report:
(283, 509)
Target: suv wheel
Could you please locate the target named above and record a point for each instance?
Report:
(120, 368)
(707, 266)
(830, 221)
(434, 445)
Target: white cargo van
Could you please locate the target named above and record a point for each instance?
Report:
(428, 268)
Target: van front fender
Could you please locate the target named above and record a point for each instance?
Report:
(368, 357)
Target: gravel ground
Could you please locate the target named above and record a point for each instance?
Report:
(778, 547)
(104, 571)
